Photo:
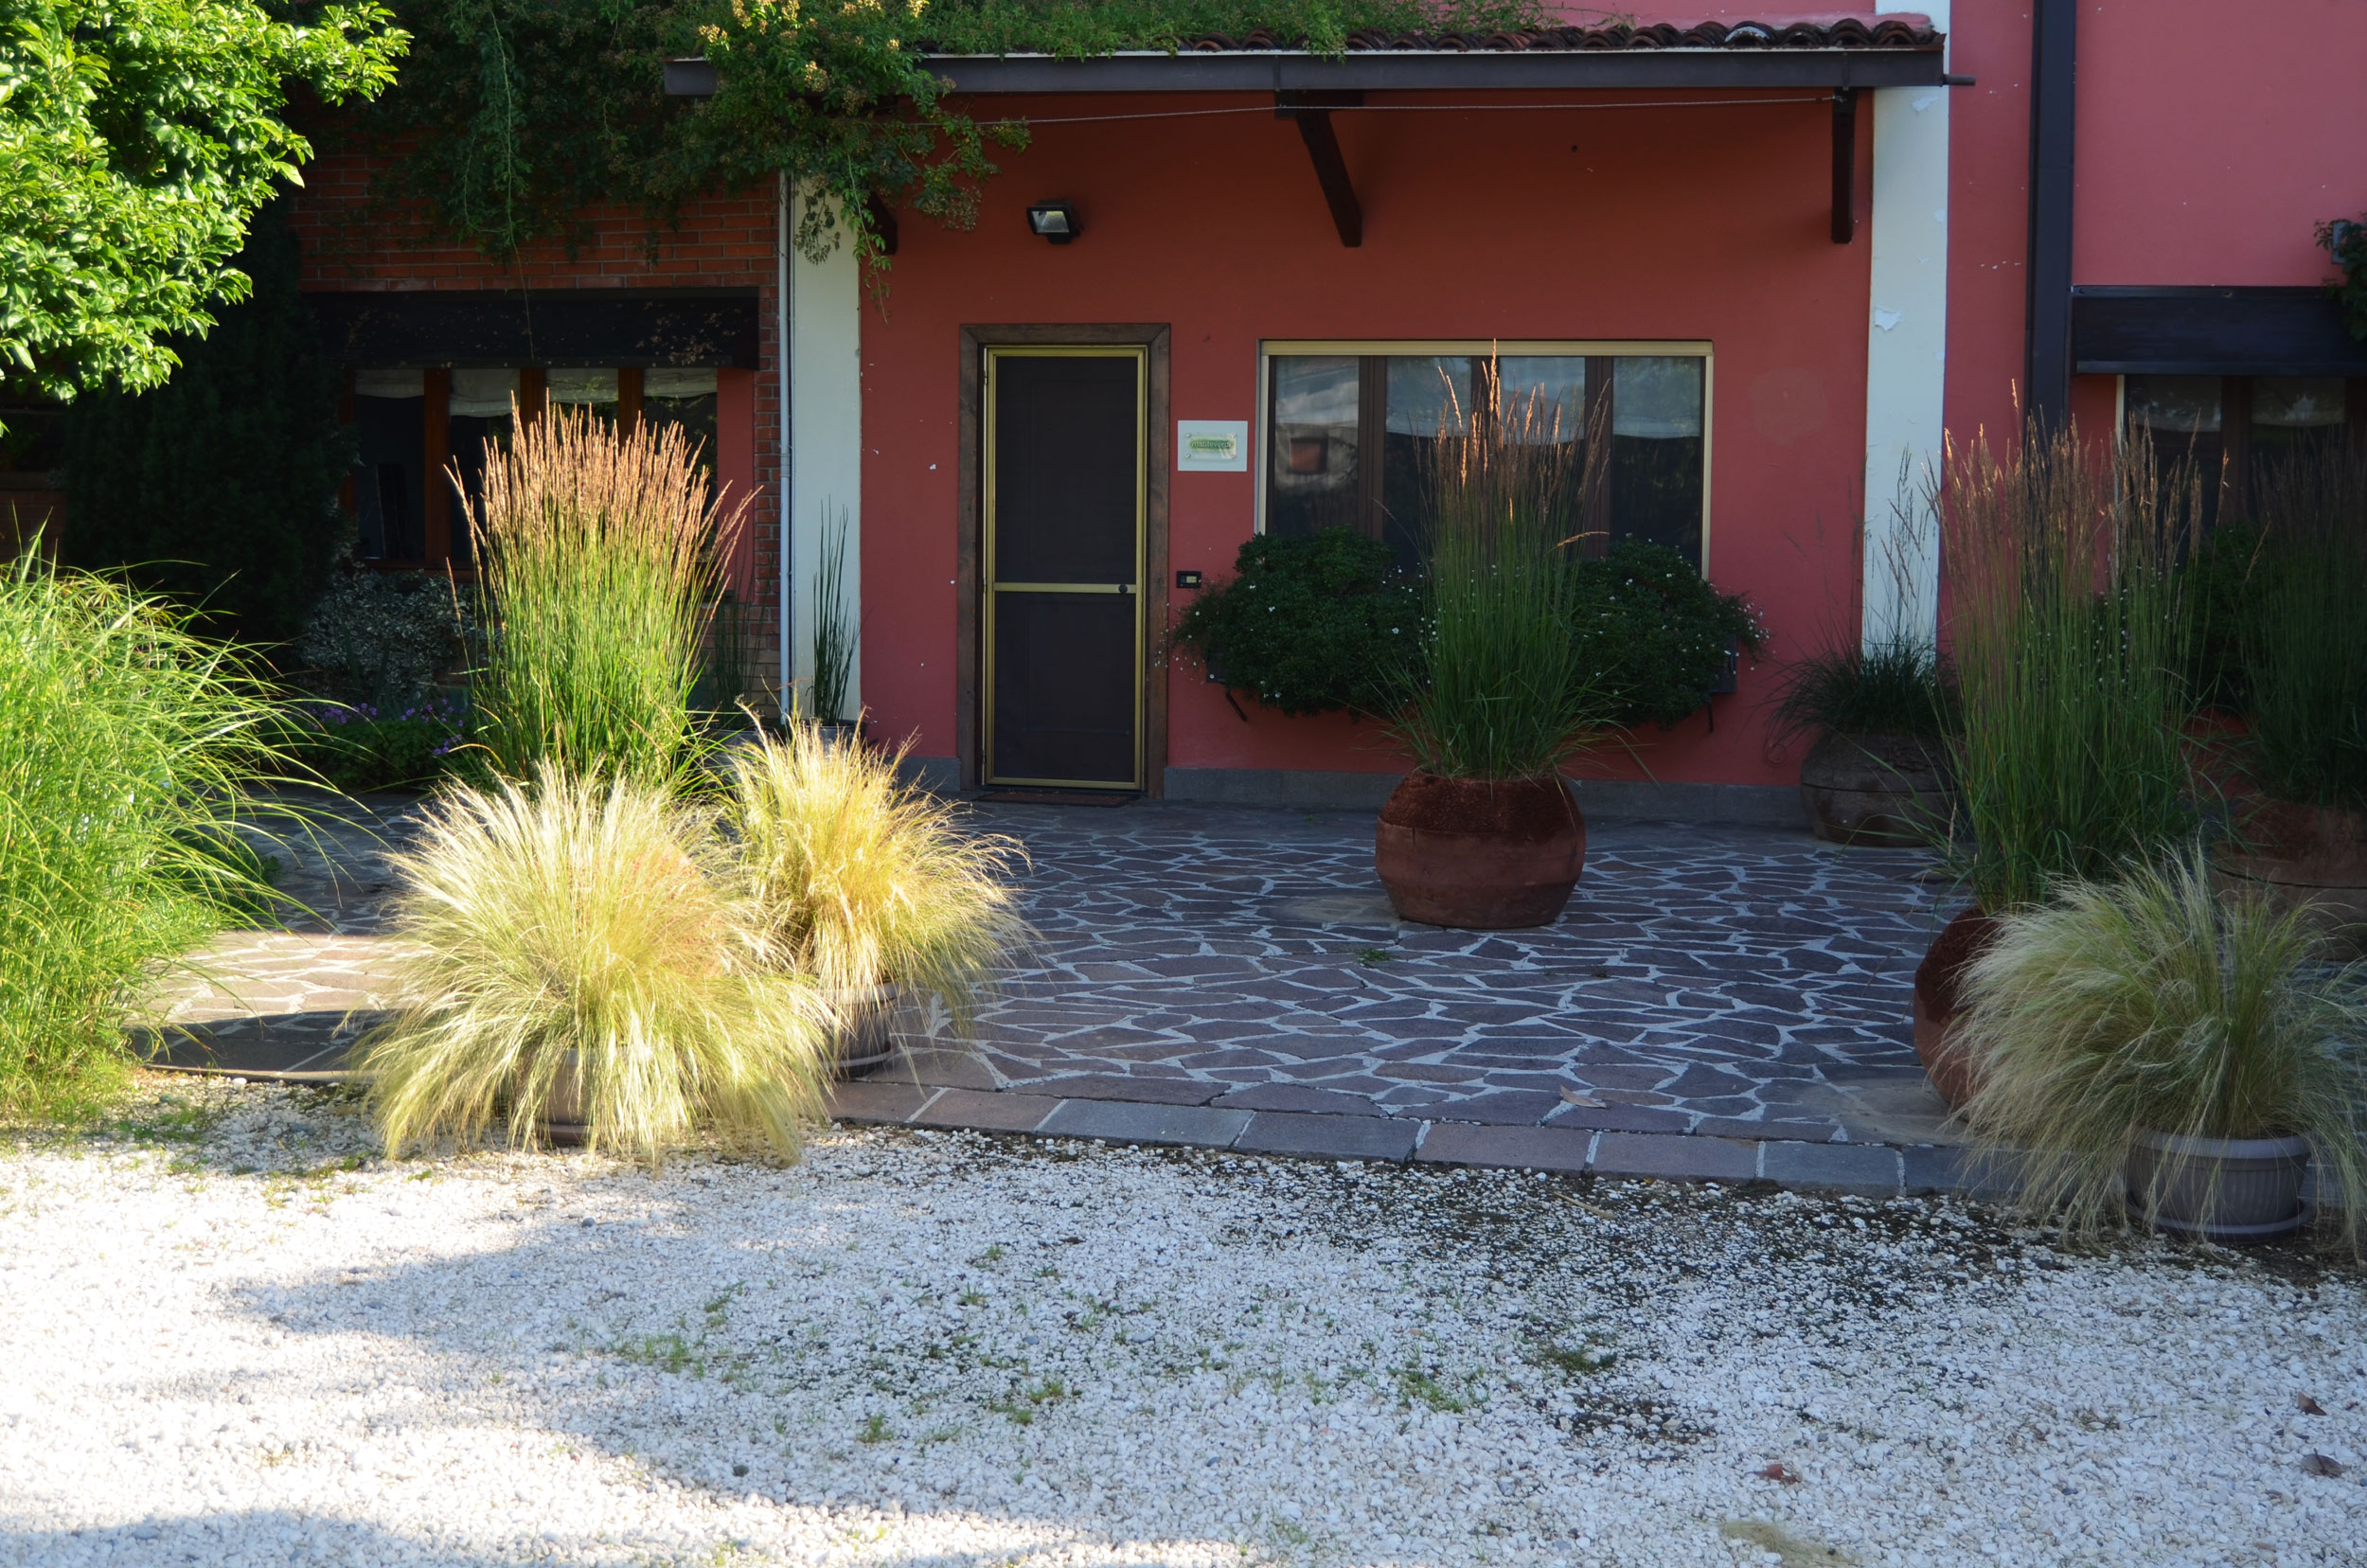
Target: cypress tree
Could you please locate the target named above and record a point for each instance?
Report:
(219, 488)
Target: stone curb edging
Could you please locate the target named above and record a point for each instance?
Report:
(1874, 1170)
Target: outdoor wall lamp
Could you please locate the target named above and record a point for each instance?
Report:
(1055, 221)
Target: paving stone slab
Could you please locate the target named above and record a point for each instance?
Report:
(1871, 1169)
(862, 1101)
(987, 1112)
(1513, 1147)
(1328, 1137)
(1675, 1158)
(1119, 1121)
(1139, 1090)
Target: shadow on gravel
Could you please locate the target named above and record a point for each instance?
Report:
(259, 1536)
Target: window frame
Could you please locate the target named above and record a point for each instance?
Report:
(1701, 349)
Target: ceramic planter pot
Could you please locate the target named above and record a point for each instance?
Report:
(1938, 1003)
(2303, 854)
(1875, 788)
(865, 1039)
(2233, 1191)
(562, 1124)
(1481, 854)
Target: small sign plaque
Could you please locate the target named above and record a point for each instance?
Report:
(1212, 446)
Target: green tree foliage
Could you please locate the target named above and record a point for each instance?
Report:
(518, 114)
(137, 138)
(219, 488)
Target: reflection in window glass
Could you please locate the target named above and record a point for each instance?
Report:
(684, 398)
(1327, 410)
(1541, 399)
(1313, 447)
(2293, 415)
(584, 391)
(1656, 452)
(390, 433)
(2180, 415)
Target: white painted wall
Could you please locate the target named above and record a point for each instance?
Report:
(826, 435)
(1906, 355)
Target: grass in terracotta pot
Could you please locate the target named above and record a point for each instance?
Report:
(1881, 715)
(1484, 834)
(2304, 653)
(2072, 648)
(870, 884)
(2149, 1046)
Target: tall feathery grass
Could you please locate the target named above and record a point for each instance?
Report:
(862, 878)
(2150, 1004)
(591, 931)
(2304, 627)
(836, 630)
(600, 552)
(126, 743)
(1895, 685)
(2072, 648)
(1504, 690)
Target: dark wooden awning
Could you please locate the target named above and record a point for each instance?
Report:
(2211, 331)
(560, 328)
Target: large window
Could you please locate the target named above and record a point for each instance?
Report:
(1349, 426)
(2231, 426)
(414, 426)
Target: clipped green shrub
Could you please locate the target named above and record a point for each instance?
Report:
(383, 639)
(582, 946)
(1310, 624)
(218, 488)
(1655, 637)
(2150, 1004)
(125, 743)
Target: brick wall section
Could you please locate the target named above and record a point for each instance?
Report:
(351, 243)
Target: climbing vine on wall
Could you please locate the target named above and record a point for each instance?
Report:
(513, 116)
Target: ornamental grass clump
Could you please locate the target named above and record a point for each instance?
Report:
(599, 552)
(1503, 691)
(860, 879)
(2304, 628)
(126, 746)
(1895, 686)
(2151, 1004)
(581, 947)
(2072, 649)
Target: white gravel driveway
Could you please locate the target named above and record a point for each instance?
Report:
(941, 1350)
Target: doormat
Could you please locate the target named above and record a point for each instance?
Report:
(1054, 797)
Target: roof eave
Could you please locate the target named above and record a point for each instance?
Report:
(1408, 70)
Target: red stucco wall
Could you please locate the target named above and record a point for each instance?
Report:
(2211, 139)
(1698, 222)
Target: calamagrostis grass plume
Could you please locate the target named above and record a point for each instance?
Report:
(589, 926)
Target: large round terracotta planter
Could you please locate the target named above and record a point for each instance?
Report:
(1483, 854)
(1938, 1003)
(2303, 854)
(1887, 790)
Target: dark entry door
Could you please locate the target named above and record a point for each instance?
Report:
(1064, 504)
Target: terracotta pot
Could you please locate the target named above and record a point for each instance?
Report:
(1875, 788)
(1483, 854)
(864, 1039)
(2302, 854)
(1937, 1003)
(2233, 1191)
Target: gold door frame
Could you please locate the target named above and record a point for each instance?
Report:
(989, 585)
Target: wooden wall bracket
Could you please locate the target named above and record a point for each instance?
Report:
(1844, 164)
(1313, 113)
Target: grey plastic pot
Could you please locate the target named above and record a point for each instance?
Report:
(562, 1121)
(2233, 1191)
(865, 1039)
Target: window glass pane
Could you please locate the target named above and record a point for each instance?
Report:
(2187, 405)
(390, 433)
(481, 401)
(684, 398)
(2296, 403)
(1312, 467)
(595, 390)
(1656, 455)
(1542, 399)
(1429, 395)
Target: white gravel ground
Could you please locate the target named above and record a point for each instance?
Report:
(947, 1350)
